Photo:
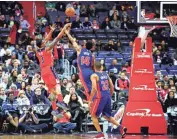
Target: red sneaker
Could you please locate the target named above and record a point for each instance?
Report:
(99, 136)
(123, 132)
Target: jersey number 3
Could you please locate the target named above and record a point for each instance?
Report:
(85, 60)
(105, 85)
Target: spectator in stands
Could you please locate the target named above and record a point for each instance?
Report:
(122, 84)
(24, 23)
(167, 60)
(74, 78)
(29, 122)
(3, 22)
(126, 67)
(2, 99)
(114, 67)
(115, 23)
(175, 60)
(43, 89)
(106, 24)
(5, 82)
(158, 57)
(76, 110)
(58, 23)
(9, 107)
(22, 98)
(166, 91)
(173, 88)
(165, 79)
(114, 10)
(125, 15)
(171, 83)
(13, 76)
(11, 22)
(76, 6)
(86, 24)
(35, 83)
(39, 98)
(2, 96)
(158, 75)
(80, 91)
(72, 90)
(154, 47)
(164, 46)
(92, 11)
(95, 24)
(63, 86)
(28, 91)
(110, 46)
(50, 6)
(18, 81)
(83, 11)
(67, 20)
(112, 76)
(17, 10)
(77, 23)
(119, 47)
(125, 24)
(170, 103)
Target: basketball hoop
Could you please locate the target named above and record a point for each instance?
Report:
(173, 25)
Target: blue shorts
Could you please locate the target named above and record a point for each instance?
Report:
(84, 75)
(102, 105)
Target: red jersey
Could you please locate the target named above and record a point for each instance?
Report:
(45, 58)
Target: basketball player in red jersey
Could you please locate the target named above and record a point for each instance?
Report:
(46, 60)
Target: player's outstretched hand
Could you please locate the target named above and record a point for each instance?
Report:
(67, 25)
(53, 27)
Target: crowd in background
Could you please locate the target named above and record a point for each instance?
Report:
(21, 83)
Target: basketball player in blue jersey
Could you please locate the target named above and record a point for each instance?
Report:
(85, 61)
(100, 99)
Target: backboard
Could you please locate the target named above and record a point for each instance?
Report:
(155, 12)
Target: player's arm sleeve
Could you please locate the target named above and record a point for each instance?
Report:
(48, 37)
(51, 45)
(94, 87)
(111, 86)
(73, 41)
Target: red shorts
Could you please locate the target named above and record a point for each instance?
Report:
(49, 76)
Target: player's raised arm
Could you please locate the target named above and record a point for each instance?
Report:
(94, 86)
(52, 44)
(73, 41)
(111, 86)
(47, 38)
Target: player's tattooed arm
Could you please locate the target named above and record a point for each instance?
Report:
(111, 87)
(53, 43)
(48, 37)
(94, 79)
(63, 30)
(73, 41)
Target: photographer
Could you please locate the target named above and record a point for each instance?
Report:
(9, 107)
(29, 122)
(62, 123)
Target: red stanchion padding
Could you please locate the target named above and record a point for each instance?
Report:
(143, 109)
(144, 114)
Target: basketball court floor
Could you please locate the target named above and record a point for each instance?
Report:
(86, 136)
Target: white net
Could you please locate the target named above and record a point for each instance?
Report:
(173, 24)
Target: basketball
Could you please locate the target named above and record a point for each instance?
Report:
(70, 12)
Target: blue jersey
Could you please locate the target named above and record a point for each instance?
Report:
(103, 85)
(85, 59)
